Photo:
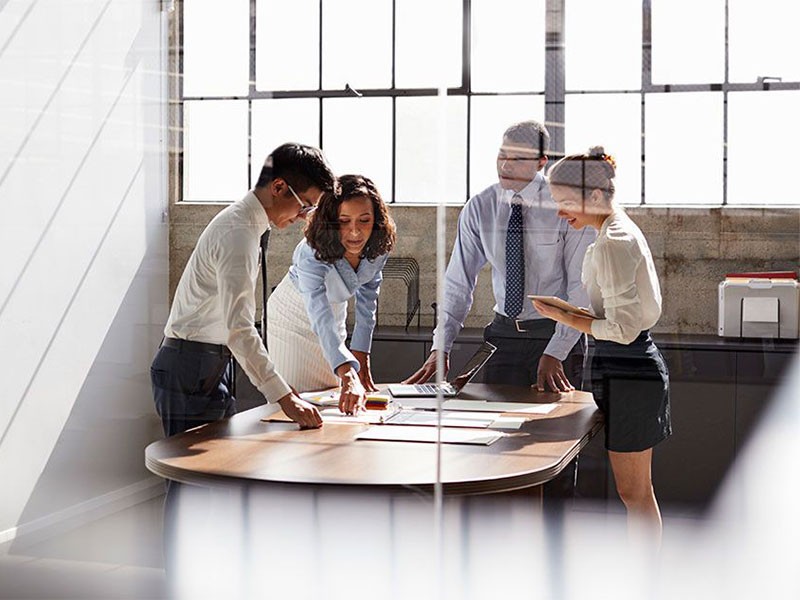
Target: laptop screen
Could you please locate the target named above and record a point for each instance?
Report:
(473, 365)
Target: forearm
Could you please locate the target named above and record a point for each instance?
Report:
(582, 324)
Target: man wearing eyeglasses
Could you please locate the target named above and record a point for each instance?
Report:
(213, 313)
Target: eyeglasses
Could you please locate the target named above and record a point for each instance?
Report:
(304, 208)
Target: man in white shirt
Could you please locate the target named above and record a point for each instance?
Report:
(213, 312)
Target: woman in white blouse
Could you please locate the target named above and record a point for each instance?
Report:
(347, 242)
(630, 381)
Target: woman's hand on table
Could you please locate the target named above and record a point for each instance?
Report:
(364, 373)
(352, 396)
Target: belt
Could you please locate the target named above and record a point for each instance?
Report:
(190, 346)
(520, 326)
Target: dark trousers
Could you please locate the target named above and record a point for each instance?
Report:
(190, 388)
(516, 361)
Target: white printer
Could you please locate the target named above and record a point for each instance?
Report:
(760, 305)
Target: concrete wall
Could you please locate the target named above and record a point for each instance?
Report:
(693, 249)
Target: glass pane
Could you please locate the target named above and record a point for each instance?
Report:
(614, 122)
(428, 51)
(418, 163)
(688, 41)
(357, 44)
(683, 148)
(221, 68)
(214, 150)
(607, 56)
(287, 57)
(763, 40)
(490, 116)
(275, 122)
(357, 138)
(508, 45)
(763, 130)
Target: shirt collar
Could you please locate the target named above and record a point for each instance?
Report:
(253, 204)
(535, 194)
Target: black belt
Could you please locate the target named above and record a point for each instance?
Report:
(520, 326)
(190, 346)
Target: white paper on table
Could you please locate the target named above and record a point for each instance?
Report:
(450, 435)
(480, 420)
(507, 423)
(332, 414)
(516, 407)
(325, 398)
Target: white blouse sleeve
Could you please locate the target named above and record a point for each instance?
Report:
(616, 262)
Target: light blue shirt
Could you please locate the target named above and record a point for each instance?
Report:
(553, 259)
(322, 283)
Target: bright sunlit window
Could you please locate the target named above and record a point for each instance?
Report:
(686, 95)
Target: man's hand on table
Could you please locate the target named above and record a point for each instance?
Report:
(300, 411)
(352, 396)
(550, 376)
(428, 368)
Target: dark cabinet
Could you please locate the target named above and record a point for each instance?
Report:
(394, 360)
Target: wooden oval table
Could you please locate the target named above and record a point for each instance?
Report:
(245, 450)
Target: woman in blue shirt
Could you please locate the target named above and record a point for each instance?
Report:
(347, 242)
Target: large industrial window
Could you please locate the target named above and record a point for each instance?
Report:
(697, 100)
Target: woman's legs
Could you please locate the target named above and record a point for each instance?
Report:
(632, 475)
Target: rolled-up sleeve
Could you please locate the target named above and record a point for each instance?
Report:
(311, 274)
(366, 307)
(236, 276)
(615, 264)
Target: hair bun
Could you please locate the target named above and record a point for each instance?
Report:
(597, 152)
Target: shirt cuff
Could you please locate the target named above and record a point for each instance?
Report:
(559, 348)
(274, 389)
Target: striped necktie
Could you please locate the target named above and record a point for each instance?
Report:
(515, 263)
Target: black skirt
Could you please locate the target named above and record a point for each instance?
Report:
(630, 384)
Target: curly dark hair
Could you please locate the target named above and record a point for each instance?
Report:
(322, 230)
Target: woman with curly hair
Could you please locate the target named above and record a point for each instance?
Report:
(347, 242)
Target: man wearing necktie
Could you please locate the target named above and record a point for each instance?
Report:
(513, 225)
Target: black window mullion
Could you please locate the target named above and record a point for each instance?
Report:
(251, 92)
(647, 83)
(725, 85)
(554, 87)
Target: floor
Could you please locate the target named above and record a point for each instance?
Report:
(118, 556)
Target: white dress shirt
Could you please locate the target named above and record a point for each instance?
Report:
(216, 297)
(622, 282)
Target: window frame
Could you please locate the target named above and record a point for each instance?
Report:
(554, 93)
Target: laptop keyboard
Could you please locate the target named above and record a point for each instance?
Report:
(426, 388)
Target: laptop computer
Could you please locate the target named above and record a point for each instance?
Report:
(451, 389)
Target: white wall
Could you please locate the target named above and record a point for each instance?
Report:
(83, 251)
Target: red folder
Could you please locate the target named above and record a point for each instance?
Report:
(765, 275)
